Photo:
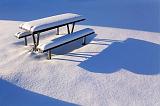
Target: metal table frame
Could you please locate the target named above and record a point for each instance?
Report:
(36, 38)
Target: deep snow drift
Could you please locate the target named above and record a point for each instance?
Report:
(118, 67)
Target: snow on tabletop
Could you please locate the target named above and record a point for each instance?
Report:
(51, 21)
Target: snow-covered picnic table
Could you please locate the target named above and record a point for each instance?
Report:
(48, 23)
(35, 27)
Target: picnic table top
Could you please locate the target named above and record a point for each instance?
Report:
(52, 21)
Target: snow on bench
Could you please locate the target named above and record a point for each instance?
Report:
(64, 40)
(23, 34)
(50, 22)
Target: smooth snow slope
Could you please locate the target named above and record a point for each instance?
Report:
(119, 67)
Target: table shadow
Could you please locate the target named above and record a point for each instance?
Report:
(135, 55)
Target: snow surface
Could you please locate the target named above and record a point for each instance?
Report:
(118, 66)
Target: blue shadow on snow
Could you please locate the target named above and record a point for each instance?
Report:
(12, 95)
(135, 55)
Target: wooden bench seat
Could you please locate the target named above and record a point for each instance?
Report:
(23, 34)
(64, 40)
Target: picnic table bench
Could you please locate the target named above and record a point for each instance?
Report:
(47, 47)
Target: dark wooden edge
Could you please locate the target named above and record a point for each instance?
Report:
(24, 36)
(68, 42)
(51, 28)
(43, 30)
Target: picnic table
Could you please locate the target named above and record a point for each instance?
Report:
(35, 27)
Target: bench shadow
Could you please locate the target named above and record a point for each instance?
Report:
(21, 42)
(62, 50)
(12, 95)
(135, 55)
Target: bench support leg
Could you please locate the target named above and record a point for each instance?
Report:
(37, 39)
(84, 41)
(57, 31)
(49, 54)
(73, 27)
(25, 41)
(68, 28)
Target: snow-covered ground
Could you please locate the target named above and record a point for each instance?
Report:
(120, 65)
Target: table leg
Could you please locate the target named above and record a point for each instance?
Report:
(37, 39)
(58, 31)
(49, 54)
(25, 41)
(84, 41)
(68, 28)
(34, 42)
(73, 27)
